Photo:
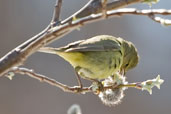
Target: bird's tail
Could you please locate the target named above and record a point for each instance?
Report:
(49, 50)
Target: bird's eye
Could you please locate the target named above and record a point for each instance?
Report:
(126, 65)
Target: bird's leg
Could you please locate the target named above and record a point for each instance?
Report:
(94, 81)
(86, 78)
(79, 80)
(91, 79)
(97, 84)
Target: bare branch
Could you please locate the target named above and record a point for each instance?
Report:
(65, 88)
(149, 12)
(57, 11)
(135, 11)
(165, 22)
(104, 9)
(42, 78)
(97, 6)
(17, 56)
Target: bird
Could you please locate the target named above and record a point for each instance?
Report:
(98, 57)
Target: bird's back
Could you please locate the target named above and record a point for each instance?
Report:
(97, 57)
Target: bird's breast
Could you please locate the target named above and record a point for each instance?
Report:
(100, 65)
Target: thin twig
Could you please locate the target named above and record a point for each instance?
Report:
(104, 10)
(96, 6)
(146, 12)
(165, 22)
(134, 11)
(75, 89)
(42, 78)
(56, 15)
(17, 56)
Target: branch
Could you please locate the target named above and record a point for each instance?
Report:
(65, 88)
(165, 22)
(96, 6)
(135, 11)
(17, 56)
(42, 78)
(149, 12)
(110, 83)
(56, 15)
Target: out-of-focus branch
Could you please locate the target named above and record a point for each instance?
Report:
(74, 109)
(17, 56)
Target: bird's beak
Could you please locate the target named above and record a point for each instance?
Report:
(122, 72)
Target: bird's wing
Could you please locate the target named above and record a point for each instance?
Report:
(103, 43)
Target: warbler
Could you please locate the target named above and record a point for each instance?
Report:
(98, 57)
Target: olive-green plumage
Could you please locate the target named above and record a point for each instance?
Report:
(98, 57)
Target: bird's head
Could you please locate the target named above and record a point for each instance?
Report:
(130, 56)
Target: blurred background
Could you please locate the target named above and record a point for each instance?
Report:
(22, 19)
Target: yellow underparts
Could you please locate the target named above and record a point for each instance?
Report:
(95, 65)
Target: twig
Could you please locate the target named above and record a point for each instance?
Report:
(146, 12)
(104, 10)
(42, 78)
(165, 22)
(17, 56)
(75, 89)
(56, 15)
(134, 11)
(97, 6)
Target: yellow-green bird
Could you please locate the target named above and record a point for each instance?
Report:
(98, 57)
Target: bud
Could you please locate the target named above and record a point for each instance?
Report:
(112, 97)
(149, 84)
